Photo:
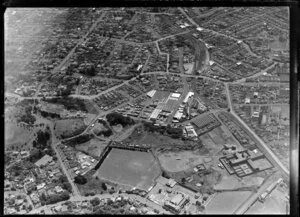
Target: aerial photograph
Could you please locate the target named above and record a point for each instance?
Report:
(146, 110)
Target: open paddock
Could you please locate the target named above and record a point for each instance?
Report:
(69, 127)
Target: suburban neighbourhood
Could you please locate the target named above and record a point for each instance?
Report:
(147, 110)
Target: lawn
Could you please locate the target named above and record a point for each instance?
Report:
(227, 202)
(130, 168)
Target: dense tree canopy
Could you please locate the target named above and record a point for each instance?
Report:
(116, 118)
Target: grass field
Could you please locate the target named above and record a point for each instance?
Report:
(69, 127)
(131, 168)
(227, 202)
(178, 161)
(16, 134)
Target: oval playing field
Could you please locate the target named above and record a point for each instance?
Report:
(132, 168)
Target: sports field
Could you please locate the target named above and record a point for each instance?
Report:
(131, 168)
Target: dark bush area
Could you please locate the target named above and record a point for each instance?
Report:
(49, 115)
(69, 103)
(26, 116)
(54, 198)
(78, 140)
(41, 140)
(175, 133)
(116, 118)
(80, 180)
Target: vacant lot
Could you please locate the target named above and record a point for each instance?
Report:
(179, 161)
(93, 147)
(220, 136)
(69, 127)
(227, 202)
(131, 168)
(232, 182)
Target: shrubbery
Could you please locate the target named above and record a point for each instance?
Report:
(78, 140)
(69, 103)
(80, 180)
(175, 133)
(116, 118)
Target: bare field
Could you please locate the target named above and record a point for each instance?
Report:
(227, 202)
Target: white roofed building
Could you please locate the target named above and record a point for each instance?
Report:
(151, 93)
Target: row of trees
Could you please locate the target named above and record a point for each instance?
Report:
(78, 140)
(175, 133)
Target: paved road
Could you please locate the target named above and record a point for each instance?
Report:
(74, 187)
(265, 148)
(251, 200)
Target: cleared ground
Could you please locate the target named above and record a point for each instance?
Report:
(131, 168)
(227, 202)
(93, 147)
(232, 182)
(178, 161)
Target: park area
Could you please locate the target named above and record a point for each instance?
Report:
(227, 202)
(130, 168)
